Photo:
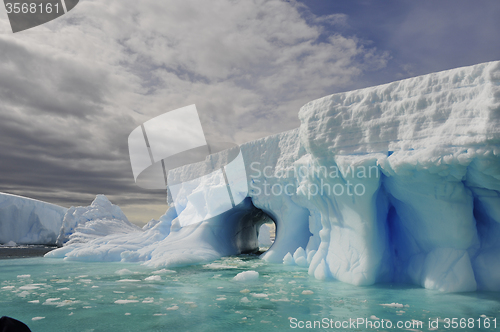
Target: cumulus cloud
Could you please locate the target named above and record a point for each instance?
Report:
(73, 89)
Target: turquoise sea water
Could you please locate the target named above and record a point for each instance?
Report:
(55, 295)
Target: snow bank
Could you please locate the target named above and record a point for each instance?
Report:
(28, 221)
(398, 182)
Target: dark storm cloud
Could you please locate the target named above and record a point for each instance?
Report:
(42, 83)
(60, 139)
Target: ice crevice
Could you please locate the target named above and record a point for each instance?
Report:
(393, 183)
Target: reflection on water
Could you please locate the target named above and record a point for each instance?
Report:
(51, 294)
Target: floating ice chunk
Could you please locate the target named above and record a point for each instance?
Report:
(123, 272)
(307, 292)
(29, 287)
(37, 318)
(260, 295)
(288, 259)
(24, 276)
(153, 278)
(392, 305)
(62, 281)
(128, 280)
(300, 257)
(125, 301)
(52, 299)
(34, 301)
(220, 266)
(246, 276)
(164, 271)
(280, 300)
(244, 300)
(173, 308)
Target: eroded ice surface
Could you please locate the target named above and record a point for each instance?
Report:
(398, 182)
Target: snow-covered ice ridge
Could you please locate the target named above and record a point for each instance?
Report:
(398, 182)
(101, 218)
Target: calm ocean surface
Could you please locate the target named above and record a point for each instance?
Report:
(55, 295)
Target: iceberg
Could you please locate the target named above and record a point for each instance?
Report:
(29, 221)
(393, 183)
(101, 218)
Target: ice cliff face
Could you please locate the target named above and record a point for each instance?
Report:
(421, 159)
(430, 216)
(28, 221)
(398, 182)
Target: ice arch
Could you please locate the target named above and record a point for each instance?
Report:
(235, 231)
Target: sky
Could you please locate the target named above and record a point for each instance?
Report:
(73, 89)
